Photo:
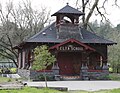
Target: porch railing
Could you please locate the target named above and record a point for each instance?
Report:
(88, 74)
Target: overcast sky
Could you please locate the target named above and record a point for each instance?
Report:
(55, 5)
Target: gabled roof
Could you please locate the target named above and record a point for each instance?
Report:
(72, 41)
(49, 35)
(90, 37)
(68, 10)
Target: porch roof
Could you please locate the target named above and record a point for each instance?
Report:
(72, 41)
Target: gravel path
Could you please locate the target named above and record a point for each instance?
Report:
(79, 85)
(11, 85)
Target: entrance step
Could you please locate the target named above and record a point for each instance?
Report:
(70, 77)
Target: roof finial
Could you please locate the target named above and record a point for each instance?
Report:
(67, 3)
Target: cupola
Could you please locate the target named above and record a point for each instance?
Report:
(67, 22)
(70, 12)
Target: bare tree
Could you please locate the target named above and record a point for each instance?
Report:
(93, 6)
(17, 24)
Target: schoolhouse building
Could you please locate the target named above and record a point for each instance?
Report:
(80, 54)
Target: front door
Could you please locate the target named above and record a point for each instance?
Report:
(65, 61)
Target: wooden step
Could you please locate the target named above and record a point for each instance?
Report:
(71, 77)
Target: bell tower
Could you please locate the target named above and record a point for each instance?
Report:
(67, 22)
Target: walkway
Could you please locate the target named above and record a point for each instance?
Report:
(79, 85)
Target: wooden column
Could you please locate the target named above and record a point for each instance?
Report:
(84, 58)
(23, 59)
(101, 61)
(19, 60)
(26, 59)
(104, 60)
(31, 58)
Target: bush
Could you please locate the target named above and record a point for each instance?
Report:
(105, 77)
(13, 70)
(5, 71)
(110, 69)
(114, 76)
(0, 71)
(9, 80)
(42, 78)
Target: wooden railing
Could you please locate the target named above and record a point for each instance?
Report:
(92, 70)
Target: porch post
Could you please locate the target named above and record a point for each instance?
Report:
(26, 60)
(105, 69)
(55, 69)
(84, 72)
(31, 58)
(19, 60)
(23, 61)
(84, 68)
(101, 61)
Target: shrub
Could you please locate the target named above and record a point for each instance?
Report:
(9, 80)
(42, 78)
(105, 77)
(13, 70)
(110, 69)
(114, 76)
(0, 71)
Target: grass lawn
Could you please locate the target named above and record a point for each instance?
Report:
(45, 90)
(5, 79)
(114, 76)
(101, 91)
(31, 90)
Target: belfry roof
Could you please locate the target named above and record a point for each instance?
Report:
(68, 10)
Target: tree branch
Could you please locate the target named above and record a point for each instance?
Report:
(2, 54)
(9, 49)
(90, 13)
(117, 4)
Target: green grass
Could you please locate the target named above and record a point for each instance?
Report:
(46, 90)
(78, 92)
(31, 90)
(108, 91)
(5, 79)
(101, 91)
(114, 76)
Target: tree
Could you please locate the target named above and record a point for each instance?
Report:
(107, 31)
(90, 7)
(103, 29)
(98, 8)
(18, 24)
(118, 27)
(114, 51)
(43, 58)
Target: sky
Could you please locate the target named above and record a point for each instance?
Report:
(54, 5)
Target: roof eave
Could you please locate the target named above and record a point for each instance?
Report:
(57, 13)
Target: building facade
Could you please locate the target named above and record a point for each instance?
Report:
(78, 52)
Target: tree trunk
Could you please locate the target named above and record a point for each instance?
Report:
(117, 68)
(45, 79)
(83, 10)
(90, 14)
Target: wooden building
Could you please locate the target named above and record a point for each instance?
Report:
(77, 50)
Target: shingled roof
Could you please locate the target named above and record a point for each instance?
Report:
(68, 10)
(49, 35)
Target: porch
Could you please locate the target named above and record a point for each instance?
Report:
(85, 74)
(75, 60)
